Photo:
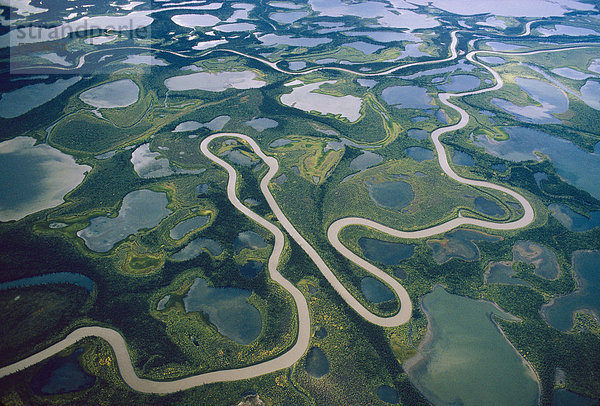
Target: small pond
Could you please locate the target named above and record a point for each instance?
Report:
(560, 311)
(140, 209)
(196, 247)
(459, 243)
(227, 308)
(62, 375)
(386, 252)
(261, 124)
(250, 240)
(51, 278)
(488, 207)
(417, 134)
(317, 364)
(419, 154)
(461, 83)
(214, 82)
(407, 97)
(120, 93)
(388, 394)
(393, 195)
(500, 272)
(575, 221)
(463, 158)
(375, 291)
(364, 161)
(251, 269)
(184, 227)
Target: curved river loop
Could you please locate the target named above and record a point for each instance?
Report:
(287, 359)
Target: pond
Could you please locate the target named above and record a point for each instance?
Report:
(370, 83)
(51, 278)
(501, 46)
(571, 73)
(162, 303)
(364, 47)
(196, 247)
(459, 243)
(560, 29)
(466, 359)
(184, 227)
(140, 209)
(364, 161)
(305, 98)
(296, 65)
(386, 252)
(590, 94)
(573, 220)
(120, 93)
(461, 83)
(288, 17)
(375, 291)
(560, 311)
(250, 240)
(386, 36)
(214, 82)
(576, 166)
(388, 394)
(275, 40)
(37, 176)
(544, 259)
(552, 100)
(419, 154)
(20, 101)
(62, 375)
(563, 397)
(393, 195)
(488, 207)
(148, 164)
(320, 333)
(316, 364)
(195, 20)
(417, 134)
(261, 124)
(462, 158)
(407, 97)
(251, 269)
(492, 60)
(503, 273)
(239, 158)
(227, 308)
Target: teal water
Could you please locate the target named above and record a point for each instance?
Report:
(419, 154)
(461, 83)
(467, 360)
(407, 97)
(386, 252)
(62, 375)
(227, 308)
(576, 166)
(51, 278)
(196, 247)
(317, 364)
(544, 259)
(462, 158)
(499, 272)
(251, 269)
(250, 240)
(575, 221)
(140, 209)
(393, 195)
(488, 207)
(459, 243)
(586, 268)
(388, 394)
(188, 225)
(375, 291)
